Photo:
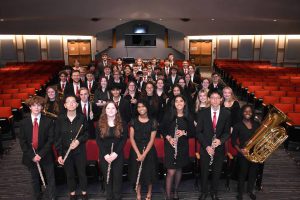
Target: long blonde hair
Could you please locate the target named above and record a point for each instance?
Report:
(233, 97)
(198, 102)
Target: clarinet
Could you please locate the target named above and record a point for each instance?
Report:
(67, 154)
(212, 156)
(109, 165)
(40, 171)
(139, 174)
(175, 141)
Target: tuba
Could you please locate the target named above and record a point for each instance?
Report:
(268, 137)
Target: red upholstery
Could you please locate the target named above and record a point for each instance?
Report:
(5, 96)
(23, 96)
(5, 112)
(30, 91)
(297, 108)
(289, 100)
(14, 103)
(92, 151)
(271, 88)
(270, 99)
(295, 117)
(192, 147)
(293, 94)
(159, 146)
(261, 93)
(126, 149)
(277, 93)
(286, 108)
(10, 91)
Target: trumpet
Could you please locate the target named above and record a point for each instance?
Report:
(109, 165)
(68, 152)
(175, 141)
(49, 114)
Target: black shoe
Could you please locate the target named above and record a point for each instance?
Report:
(202, 197)
(252, 195)
(214, 197)
(73, 197)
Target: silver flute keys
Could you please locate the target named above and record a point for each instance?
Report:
(139, 173)
(175, 141)
(40, 171)
(109, 164)
(68, 152)
(212, 156)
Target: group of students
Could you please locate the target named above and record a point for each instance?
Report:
(208, 112)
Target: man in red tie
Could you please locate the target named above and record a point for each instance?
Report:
(36, 139)
(89, 110)
(73, 88)
(213, 129)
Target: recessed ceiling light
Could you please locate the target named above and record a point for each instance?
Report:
(160, 19)
(1, 20)
(274, 20)
(120, 19)
(212, 19)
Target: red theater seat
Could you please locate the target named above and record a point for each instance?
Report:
(270, 99)
(293, 94)
(271, 88)
(14, 103)
(261, 93)
(5, 96)
(10, 91)
(278, 93)
(23, 96)
(159, 146)
(295, 117)
(192, 147)
(92, 151)
(30, 91)
(290, 100)
(126, 149)
(297, 108)
(286, 108)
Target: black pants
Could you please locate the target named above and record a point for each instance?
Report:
(36, 180)
(246, 168)
(114, 187)
(77, 161)
(216, 170)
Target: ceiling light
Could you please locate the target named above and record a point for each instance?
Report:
(212, 19)
(160, 19)
(120, 19)
(1, 20)
(274, 20)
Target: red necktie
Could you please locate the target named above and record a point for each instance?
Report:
(90, 86)
(215, 121)
(126, 80)
(84, 110)
(63, 87)
(35, 134)
(77, 90)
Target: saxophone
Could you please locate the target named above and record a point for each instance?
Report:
(49, 114)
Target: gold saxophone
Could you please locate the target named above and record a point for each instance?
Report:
(268, 137)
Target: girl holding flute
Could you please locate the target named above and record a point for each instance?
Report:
(143, 156)
(111, 136)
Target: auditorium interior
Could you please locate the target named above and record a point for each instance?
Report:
(254, 47)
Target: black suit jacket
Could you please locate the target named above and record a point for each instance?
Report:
(169, 81)
(94, 86)
(219, 87)
(45, 140)
(125, 110)
(69, 90)
(205, 128)
(197, 79)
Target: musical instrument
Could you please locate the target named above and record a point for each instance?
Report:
(60, 94)
(139, 173)
(49, 114)
(175, 141)
(212, 156)
(109, 165)
(92, 97)
(40, 171)
(68, 152)
(268, 137)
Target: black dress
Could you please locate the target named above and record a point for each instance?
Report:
(142, 135)
(235, 111)
(182, 158)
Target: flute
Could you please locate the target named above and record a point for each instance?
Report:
(212, 156)
(175, 141)
(40, 171)
(139, 173)
(67, 154)
(109, 164)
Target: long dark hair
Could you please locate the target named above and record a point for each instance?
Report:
(173, 111)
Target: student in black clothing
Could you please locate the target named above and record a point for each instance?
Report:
(231, 103)
(213, 129)
(216, 82)
(52, 105)
(131, 94)
(111, 130)
(102, 94)
(36, 132)
(177, 125)
(242, 132)
(66, 128)
(150, 95)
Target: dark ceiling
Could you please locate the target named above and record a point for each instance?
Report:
(207, 17)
